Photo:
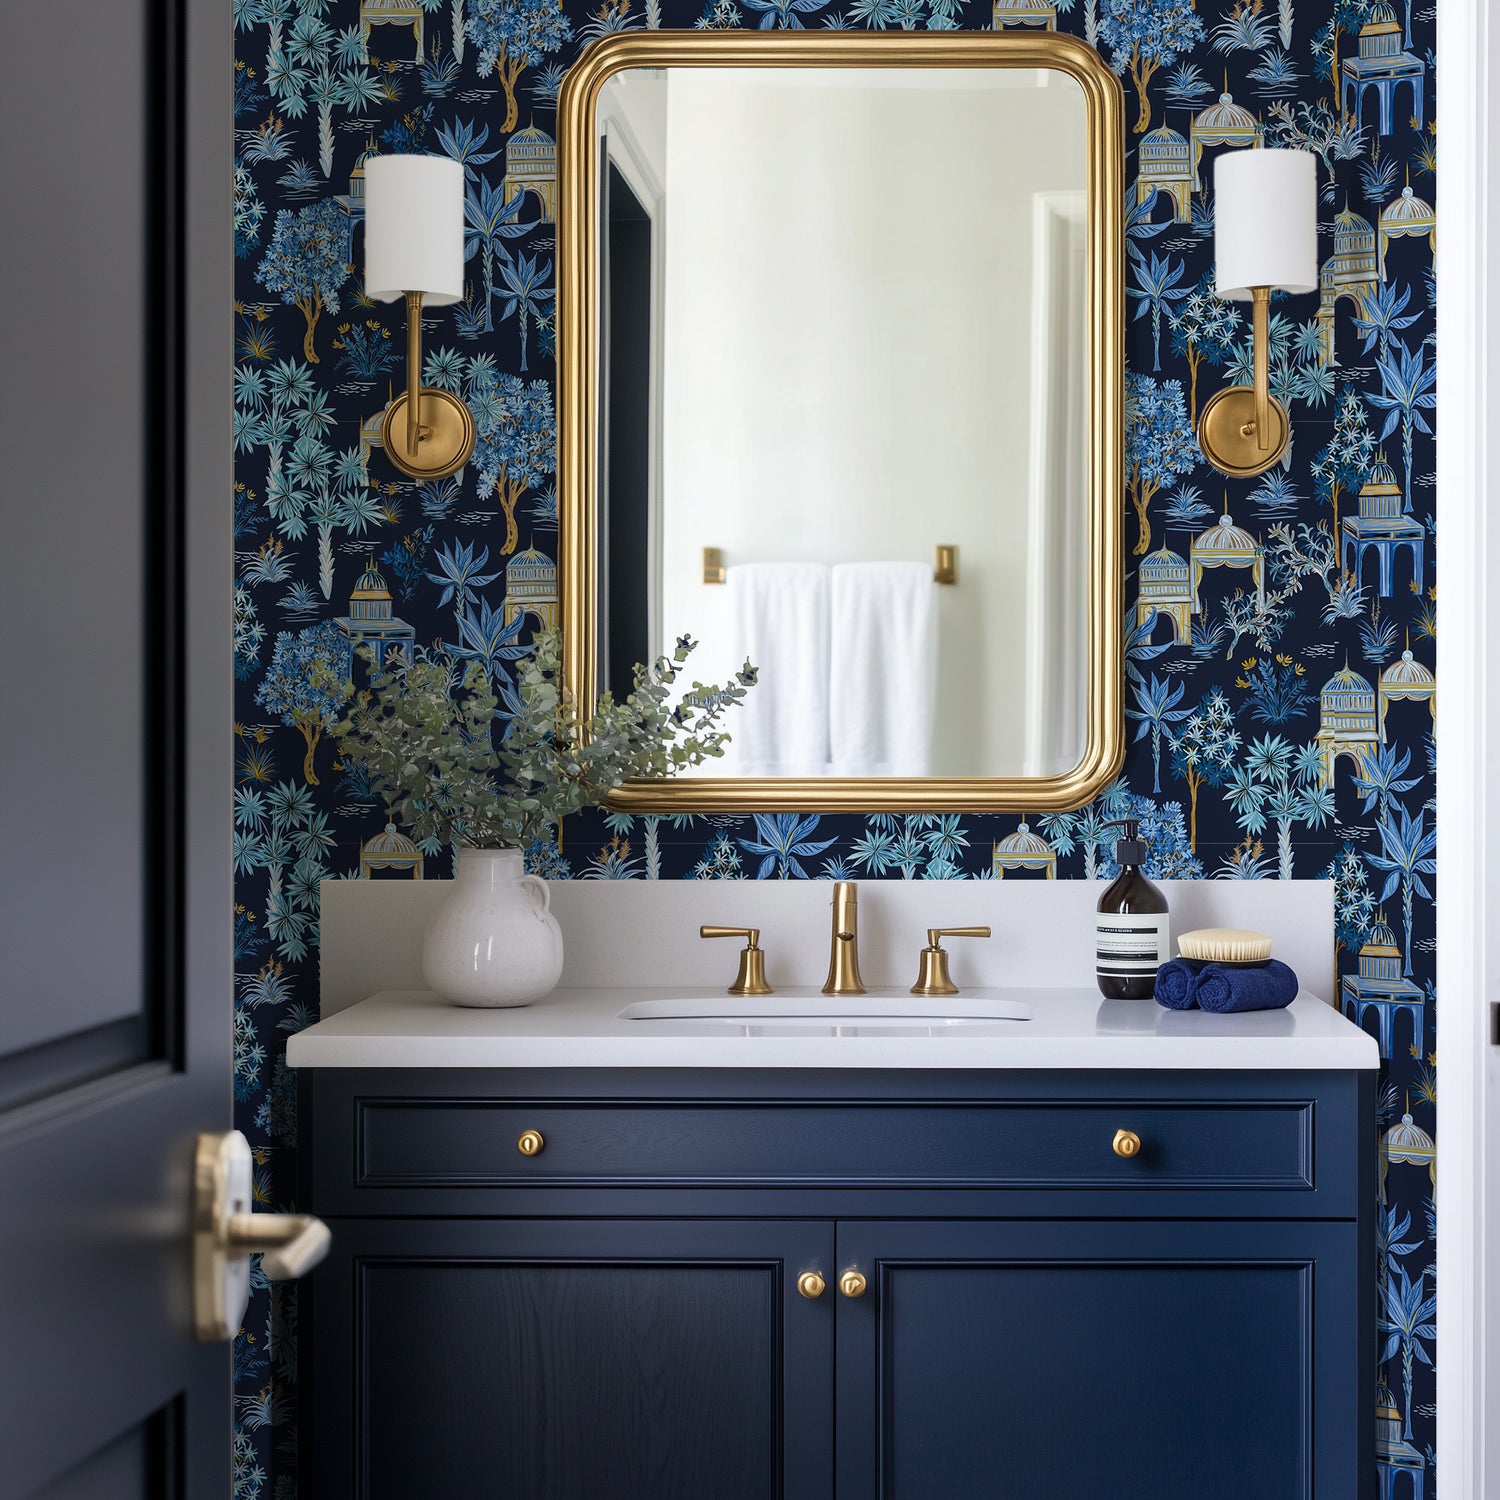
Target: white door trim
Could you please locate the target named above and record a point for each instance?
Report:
(1468, 715)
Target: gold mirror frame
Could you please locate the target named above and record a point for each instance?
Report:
(578, 401)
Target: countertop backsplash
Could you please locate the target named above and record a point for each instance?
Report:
(634, 935)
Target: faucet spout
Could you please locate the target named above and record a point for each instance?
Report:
(843, 954)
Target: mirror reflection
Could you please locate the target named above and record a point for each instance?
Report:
(843, 420)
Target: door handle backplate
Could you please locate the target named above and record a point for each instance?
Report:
(226, 1233)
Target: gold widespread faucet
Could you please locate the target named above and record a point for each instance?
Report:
(843, 955)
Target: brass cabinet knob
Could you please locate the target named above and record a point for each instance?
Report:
(531, 1143)
(811, 1285)
(852, 1283)
(1127, 1143)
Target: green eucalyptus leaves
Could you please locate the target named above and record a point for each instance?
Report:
(454, 768)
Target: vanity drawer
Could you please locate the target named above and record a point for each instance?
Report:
(1248, 1144)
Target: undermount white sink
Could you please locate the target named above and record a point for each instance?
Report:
(882, 1008)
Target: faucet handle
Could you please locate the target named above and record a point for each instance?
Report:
(932, 975)
(751, 980)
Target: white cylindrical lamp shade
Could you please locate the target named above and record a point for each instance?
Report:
(414, 228)
(1266, 221)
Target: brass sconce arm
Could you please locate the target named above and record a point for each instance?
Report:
(415, 432)
(1244, 430)
(1261, 332)
(428, 433)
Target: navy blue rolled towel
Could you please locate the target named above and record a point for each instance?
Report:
(1177, 981)
(1268, 986)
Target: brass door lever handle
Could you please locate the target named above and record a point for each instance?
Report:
(226, 1234)
(289, 1245)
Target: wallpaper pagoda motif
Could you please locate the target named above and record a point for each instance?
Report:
(1280, 631)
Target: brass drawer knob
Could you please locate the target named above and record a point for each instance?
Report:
(852, 1283)
(811, 1285)
(1127, 1144)
(531, 1143)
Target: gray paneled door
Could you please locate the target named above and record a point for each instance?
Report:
(115, 735)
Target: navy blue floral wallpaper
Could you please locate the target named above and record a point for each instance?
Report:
(1280, 631)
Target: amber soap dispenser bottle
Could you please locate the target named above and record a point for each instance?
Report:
(1132, 930)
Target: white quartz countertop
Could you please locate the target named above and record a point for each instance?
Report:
(1070, 1028)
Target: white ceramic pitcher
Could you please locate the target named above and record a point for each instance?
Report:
(494, 940)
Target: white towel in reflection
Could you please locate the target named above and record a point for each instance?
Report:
(883, 668)
(779, 619)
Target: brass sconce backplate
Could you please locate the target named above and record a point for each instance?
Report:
(447, 435)
(1229, 438)
(1244, 429)
(437, 439)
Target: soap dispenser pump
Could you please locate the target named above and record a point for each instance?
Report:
(1132, 929)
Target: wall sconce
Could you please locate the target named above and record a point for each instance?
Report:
(1265, 240)
(414, 248)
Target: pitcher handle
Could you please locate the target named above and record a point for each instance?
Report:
(541, 885)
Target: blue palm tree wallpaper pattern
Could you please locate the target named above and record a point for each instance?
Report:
(1280, 631)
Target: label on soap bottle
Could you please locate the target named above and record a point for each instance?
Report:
(1129, 946)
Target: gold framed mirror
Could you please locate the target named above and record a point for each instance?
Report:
(839, 343)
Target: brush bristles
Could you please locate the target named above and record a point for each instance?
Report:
(1225, 945)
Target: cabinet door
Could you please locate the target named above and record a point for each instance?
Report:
(1137, 1361)
(571, 1360)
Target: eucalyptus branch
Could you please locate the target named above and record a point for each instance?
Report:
(428, 746)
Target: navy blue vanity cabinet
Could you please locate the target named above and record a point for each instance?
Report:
(1160, 1361)
(614, 1313)
(570, 1360)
